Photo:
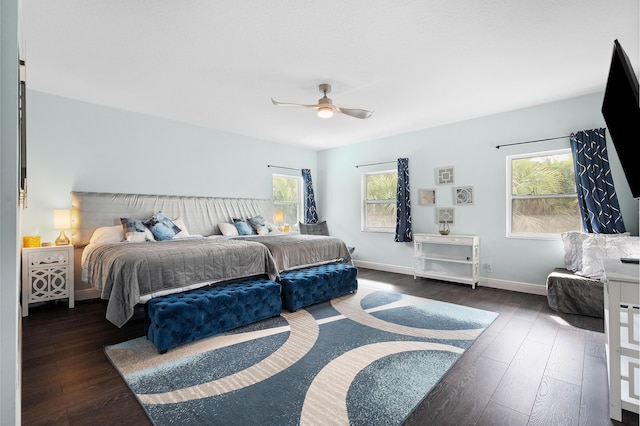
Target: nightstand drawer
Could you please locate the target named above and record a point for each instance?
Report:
(53, 256)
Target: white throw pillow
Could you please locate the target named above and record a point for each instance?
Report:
(573, 241)
(228, 229)
(108, 234)
(179, 222)
(598, 247)
(137, 237)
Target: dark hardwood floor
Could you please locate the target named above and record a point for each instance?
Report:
(532, 366)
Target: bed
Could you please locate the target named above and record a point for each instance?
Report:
(578, 287)
(296, 251)
(132, 272)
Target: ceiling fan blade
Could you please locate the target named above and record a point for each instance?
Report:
(292, 104)
(357, 113)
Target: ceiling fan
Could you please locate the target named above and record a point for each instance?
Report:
(326, 108)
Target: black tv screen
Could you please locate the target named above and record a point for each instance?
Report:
(621, 111)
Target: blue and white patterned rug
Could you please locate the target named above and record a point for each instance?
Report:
(362, 359)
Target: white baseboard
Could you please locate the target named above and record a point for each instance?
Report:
(513, 286)
(384, 267)
(484, 281)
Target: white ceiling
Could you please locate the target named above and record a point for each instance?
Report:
(417, 64)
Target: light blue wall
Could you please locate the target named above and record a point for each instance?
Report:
(76, 146)
(469, 146)
(79, 146)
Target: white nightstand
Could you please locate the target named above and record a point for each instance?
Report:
(47, 274)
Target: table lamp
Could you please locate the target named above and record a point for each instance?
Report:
(62, 221)
(279, 218)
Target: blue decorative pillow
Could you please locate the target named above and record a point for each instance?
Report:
(259, 225)
(135, 230)
(243, 227)
(162, 227)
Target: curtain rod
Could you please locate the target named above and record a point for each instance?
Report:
(537, 140)
(282, 167)
(375, 164)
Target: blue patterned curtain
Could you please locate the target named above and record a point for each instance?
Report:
(403, 203)
(310, 214)
(597, 197)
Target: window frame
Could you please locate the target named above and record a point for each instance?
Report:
(510, 197)
(299, 204)
(364, 203)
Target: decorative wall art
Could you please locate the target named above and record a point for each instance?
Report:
(463, 195)
(445, 214)
(427, 196)
(445, 176)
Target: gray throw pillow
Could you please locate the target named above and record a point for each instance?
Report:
(319, 228)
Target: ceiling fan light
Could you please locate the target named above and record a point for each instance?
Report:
(325, 112)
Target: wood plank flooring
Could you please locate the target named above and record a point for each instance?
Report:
(532, 366)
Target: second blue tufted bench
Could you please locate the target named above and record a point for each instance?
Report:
(179, 318)
(304, 287)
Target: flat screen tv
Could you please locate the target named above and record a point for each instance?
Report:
(621, 112)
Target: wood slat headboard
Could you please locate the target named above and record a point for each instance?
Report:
(201, 215)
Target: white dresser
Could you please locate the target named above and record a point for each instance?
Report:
(453, 258)
(622, 329)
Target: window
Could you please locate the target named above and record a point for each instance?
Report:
(542, 201)
(287, 198)
(379, 191)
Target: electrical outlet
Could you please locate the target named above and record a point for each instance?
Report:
(489, 267)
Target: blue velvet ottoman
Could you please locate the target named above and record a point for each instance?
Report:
(179, 318)
(304, 287)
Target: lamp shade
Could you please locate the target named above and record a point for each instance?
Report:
(325, 112)
(279, 216)
(62, 219)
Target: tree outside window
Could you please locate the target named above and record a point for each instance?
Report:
(379, 201)
(287, 196)
(542, 198)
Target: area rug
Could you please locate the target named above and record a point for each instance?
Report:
(362, 359)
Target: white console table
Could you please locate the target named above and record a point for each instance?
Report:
(622, 328)
(447, 257)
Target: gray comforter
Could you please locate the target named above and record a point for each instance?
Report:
(293, 251)
(126, 272)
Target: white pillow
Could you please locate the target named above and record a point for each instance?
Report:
(273, 229)
(598, 247)
(572, 241)
(108, 234)
(137, 237)
(179, 222)
(262, 230)
(228, 229)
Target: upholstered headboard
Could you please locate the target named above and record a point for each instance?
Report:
(201, 215)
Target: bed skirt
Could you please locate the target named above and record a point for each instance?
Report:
(573, 294)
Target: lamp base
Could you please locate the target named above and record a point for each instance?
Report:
(62, 239)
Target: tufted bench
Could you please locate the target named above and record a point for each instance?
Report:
(179, 318)
(304, 287)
